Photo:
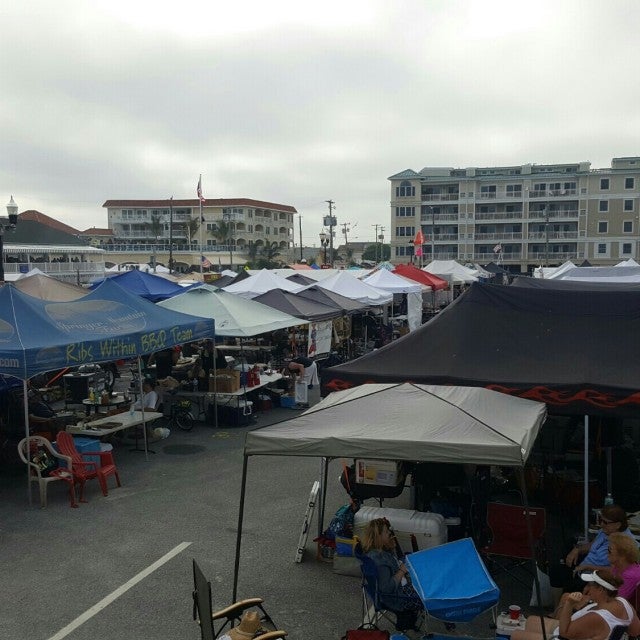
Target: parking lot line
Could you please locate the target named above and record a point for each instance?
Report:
(114, 595)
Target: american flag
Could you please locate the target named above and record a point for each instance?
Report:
(205, 261)
(199, 190)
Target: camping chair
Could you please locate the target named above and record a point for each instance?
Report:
(372, 607)
(40, 475)
(509, 547)
(453, 583)
(229, 616)
(85, 470)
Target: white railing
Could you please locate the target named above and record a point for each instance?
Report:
(552, 255)
(562, 214)
(499, 216)
(493, 257)
(439, 217)
(440, 197)
(55, 267)
(498, 236)
(553, 235)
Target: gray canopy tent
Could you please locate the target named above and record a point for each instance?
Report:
(430, 424)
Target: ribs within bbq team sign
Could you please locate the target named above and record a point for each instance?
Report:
(319, 340)
(107, 324)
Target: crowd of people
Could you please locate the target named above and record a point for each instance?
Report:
(598, 581)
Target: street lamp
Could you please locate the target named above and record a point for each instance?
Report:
(9, 222)
(228, 218)
(324, 241)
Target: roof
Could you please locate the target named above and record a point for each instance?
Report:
(210, 202)
(37, 216)
(34, 230)
(407, 173)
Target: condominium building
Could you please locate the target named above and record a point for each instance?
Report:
(522, 216)
(153, 222)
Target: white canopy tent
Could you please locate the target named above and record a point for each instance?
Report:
(553, 272)
(618, 274)
(430, 424)
(260, 283)
(628, 263)
(452, 271)
(347, 285)
(234, 316)
(397, 285)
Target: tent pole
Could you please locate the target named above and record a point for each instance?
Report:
(586, 478)
(536, 581)
(215, 385)
(25, 409)
(144, 424)
(236, 566)
(324, 472)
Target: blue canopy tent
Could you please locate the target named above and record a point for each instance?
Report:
(107, 324)
(145, 285)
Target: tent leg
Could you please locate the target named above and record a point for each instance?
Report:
(236, 566)
(536, 582)
(586, 478)
(324, 472)
(25, 408)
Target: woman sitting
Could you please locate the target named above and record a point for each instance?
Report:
(590, 615)
(394, 584)
(624, 556)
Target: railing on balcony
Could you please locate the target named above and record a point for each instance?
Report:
(509, 215)
(553, 256)
(492, 257)
(440, 197)
(439, 217)
(498, 236)
(553, 235)
(164, 248)
(55, 268)
(487, 195)
(563, 214)
(553, 193)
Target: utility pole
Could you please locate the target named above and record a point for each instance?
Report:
(375, 255)
(330, 222)
(381, 238)
(171, 235)
(546, 235)
(300, 225)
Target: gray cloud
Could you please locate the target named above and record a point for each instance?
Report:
(96, 106)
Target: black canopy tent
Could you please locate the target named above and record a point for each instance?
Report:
(575, 350)
(297, 306)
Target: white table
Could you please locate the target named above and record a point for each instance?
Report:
(111, 424)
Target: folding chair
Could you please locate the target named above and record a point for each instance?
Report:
(229, 616)
(509, 545)
(372, 607)
(453, 583)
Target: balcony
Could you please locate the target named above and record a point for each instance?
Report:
(439, 217)
(564, 214)
(553, 235)
(507, 215)
(440, 197)
(487, 195)
(554, 193)
(498, 236)
(553, 256)
(493, 257)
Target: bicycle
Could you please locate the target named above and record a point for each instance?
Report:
(180, 415)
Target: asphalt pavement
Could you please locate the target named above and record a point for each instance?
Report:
(120, 566)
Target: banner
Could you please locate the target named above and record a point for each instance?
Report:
(319, 341)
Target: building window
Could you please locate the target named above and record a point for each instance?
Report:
(603, 226)
(405, 190)
(603, 206)
(514, 190)
(627, 226)
(629, 183)
(402, 212)
(626, 248)
(628, 205)
(602, 249)
(604, 184)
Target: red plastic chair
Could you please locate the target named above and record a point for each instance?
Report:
(86, 470)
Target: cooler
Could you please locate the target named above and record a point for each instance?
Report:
(427, 529)
(87, 445)
(233, 415)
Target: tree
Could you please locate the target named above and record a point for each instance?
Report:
(155, 227)
(191, 228)
(348, 256)
(268, 256)
(222, 231)
(377, 252)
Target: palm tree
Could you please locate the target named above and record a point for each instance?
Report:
(222, 231)
(268, 255)
(191, 229)
(156, 227)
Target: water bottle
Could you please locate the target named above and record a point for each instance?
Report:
(608, 500)
(131, 410)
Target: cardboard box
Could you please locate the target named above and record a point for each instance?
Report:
(224, 382)
(382, 472)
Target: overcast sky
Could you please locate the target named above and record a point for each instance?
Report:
(301, 102)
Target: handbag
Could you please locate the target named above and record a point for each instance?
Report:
(366, 632)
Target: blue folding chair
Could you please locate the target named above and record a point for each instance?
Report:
(453, 582)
